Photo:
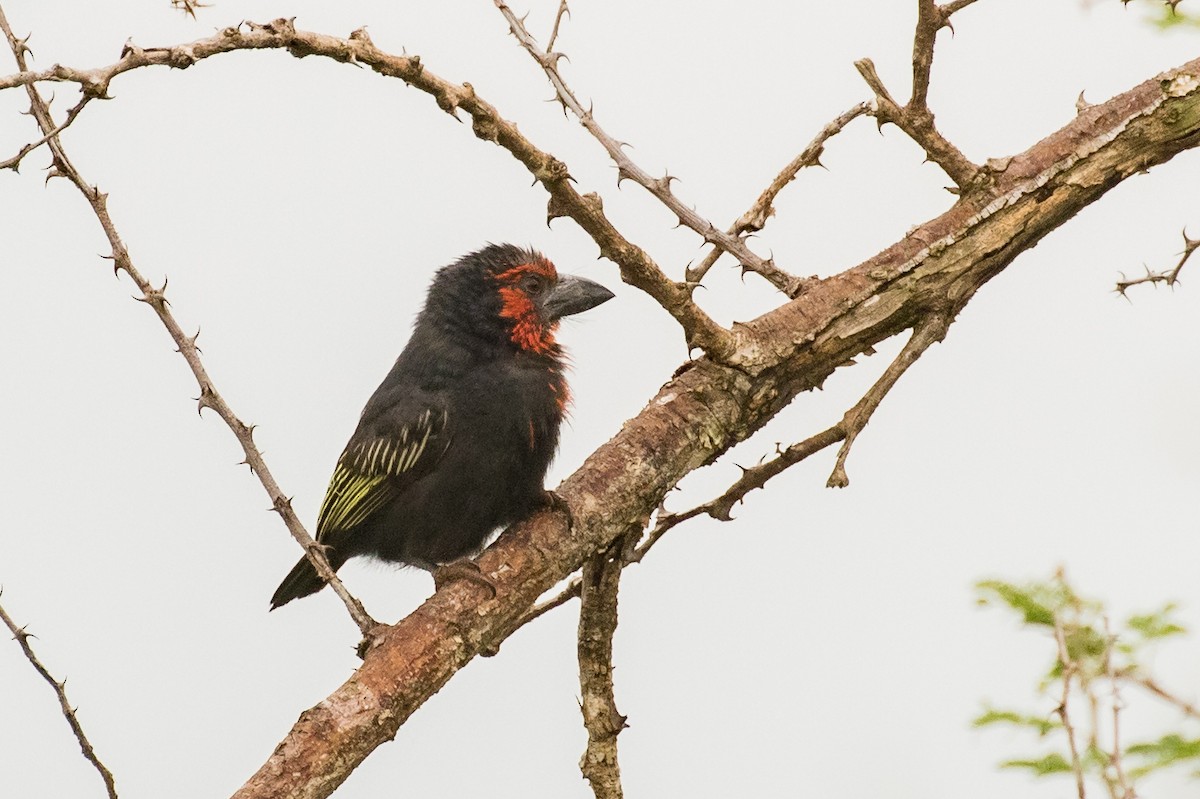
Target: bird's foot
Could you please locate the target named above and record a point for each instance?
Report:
(461, 569)
(553, 501)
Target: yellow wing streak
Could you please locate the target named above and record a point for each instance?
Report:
(360, 485)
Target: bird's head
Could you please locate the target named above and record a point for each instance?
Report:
(512, 294)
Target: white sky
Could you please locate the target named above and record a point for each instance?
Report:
(825, 644)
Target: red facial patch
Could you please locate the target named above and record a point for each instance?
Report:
(529, 331)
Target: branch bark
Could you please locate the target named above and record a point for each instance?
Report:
(600, 583)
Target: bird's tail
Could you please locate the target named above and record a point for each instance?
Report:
(303, 579)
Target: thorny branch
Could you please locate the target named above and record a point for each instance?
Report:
(587, 210)
(600, 583)
(1170, 278)
(755, 219)
(1069, 669)
(157, 300)
(659, 187)
(915, 118)
(22, 636)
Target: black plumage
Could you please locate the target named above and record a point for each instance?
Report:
(455, 442)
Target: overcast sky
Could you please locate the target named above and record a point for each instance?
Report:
(825, 644)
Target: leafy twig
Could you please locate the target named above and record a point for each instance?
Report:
(1114, 756)
(22, 636)
(1069, 669)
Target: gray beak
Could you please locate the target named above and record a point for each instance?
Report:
(574, 295)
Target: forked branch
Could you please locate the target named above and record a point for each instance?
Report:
(915, 118)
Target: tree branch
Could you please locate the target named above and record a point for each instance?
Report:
(626, 168)
(600, 583)
(60, 690)
(755, 219)
(157, 300)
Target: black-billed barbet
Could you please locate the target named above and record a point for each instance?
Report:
(455, 442)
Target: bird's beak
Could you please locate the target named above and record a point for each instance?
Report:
(574, 295)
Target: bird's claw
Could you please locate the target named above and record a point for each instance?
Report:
(553, 501)
(462, 569)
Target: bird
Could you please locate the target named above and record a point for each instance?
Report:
(456, 441)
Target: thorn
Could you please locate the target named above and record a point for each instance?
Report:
(1081, 104)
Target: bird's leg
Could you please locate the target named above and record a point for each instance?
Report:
(461, 569)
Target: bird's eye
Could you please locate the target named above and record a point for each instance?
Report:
(533, 285)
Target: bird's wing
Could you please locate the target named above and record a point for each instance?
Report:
(378, 464)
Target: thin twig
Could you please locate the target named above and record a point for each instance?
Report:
(755, 219)
(930, 330)
(189, 6)
(558, 18)
(14, 163)
(157, 300)
(597, 623)
(1171, 277)
(572, 589)
(627, 169)
(1069, 668)
(1114, 756)
(60, 689)
(1150, 684)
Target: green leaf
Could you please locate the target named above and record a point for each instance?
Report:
(1041, 724)
(1166, 751)
(1030, 602)
(1050, 764)
(1156, 625)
